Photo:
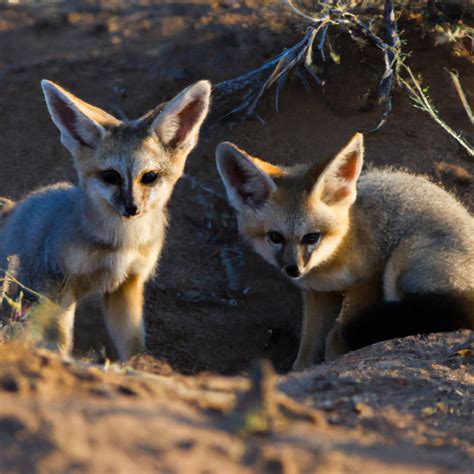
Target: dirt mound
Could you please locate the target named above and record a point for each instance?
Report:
(404, 405)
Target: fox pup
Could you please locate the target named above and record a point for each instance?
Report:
(376, 255)
(104, 234)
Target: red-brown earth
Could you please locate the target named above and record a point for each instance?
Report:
(399, 406)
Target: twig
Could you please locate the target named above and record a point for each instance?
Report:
(322, 41)
(11, 278)
(391, 55)
(256, 82)
(300, 12)
(462, 96)
(389, 48)
(292, 57)
(423, 102)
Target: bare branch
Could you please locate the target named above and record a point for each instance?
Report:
(462, 96)
(255, 81)
(422, 101)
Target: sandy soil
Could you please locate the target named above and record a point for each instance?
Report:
(395, 407)
(57, 416)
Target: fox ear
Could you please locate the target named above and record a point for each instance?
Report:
(81, 124)
(247, 180)
(179, 122)
(337, 183)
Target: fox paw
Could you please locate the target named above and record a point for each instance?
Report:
(335, 344)
(299, 365)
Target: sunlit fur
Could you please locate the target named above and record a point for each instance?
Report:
(299, 202)
(294, 215)
(385, 235)
(72, 240)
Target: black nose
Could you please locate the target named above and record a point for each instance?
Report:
(293, 271)
(131, 210)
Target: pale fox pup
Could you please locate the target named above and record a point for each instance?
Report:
(104, 234)
(378, 255)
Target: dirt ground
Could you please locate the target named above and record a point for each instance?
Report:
(400, 406)
(394, 407)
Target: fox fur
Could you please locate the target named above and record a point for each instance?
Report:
(104, 234)
(360, 246)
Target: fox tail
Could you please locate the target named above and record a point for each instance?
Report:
(415, 314)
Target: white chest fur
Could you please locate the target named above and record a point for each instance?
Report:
(332, 280)
(96, 270)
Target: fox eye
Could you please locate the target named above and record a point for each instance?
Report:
(150, 177)
(276, 238)
(111, 177)
(311, 239)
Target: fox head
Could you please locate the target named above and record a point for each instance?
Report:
(296, 218)
(128, 168)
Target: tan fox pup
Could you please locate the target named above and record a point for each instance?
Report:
(378, 255)
(104, 234)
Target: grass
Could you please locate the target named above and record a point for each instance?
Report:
(25, 314)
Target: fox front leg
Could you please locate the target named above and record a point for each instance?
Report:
(53, 321)
(335, 344)
(66, 327)
(320, 310)
(356, 300)
(123, 314)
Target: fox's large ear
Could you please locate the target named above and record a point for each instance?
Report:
(81, 124)
(337, 183)
(247, 180)
(179, 122)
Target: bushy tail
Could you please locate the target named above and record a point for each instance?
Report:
(6, 207)
(416, 314)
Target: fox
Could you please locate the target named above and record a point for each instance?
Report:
(105, 233)
(376, 254)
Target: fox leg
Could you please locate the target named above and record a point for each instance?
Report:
(319, 313)
(356, 300)
(54, 320)
(66, 328)
(123, 315)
